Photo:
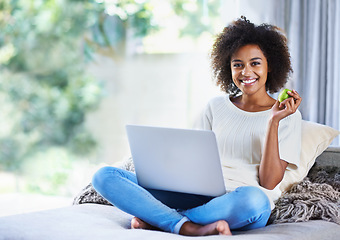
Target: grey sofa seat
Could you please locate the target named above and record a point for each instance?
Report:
(95, 221)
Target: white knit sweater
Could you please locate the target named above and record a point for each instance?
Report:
(240, 137)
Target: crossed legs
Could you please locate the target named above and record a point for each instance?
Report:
(245, 208)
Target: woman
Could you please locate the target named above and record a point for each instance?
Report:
(258, 139)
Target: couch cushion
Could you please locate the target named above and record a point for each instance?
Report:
(330, 157)
(93, 221)
(315, 138)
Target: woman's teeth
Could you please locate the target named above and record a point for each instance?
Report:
(248, 81)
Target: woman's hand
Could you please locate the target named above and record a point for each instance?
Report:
(272, 168)
(286, 107)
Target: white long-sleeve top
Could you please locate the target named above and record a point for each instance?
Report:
(240, 137)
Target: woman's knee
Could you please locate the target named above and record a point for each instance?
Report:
(253, 198)
(102, 177)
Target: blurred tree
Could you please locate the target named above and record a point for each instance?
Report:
(199, 15)
(45, 46)
(43, 77)
(45, 92)
(121, 21)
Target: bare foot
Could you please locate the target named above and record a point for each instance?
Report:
(137, 223)
(220, 227)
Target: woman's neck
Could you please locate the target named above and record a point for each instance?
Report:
(253, 103)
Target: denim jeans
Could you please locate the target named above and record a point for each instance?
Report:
(243, 209)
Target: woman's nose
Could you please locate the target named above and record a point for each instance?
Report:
(246, 71)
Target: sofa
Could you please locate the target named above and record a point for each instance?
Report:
(86, 220)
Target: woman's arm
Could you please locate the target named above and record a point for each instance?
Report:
(272, 168)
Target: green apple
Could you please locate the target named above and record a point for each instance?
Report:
(283, 95)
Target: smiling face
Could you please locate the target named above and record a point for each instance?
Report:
(249, 69)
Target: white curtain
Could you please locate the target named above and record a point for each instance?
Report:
(313, 29)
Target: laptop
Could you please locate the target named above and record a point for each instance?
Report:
(178, 160)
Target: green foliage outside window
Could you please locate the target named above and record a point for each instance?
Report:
(200, 15)
(45, 90)
(43, 57)
(43, 82)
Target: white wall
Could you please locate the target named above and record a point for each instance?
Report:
(159, 89)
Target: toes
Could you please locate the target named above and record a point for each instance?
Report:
(223, 228)
(135, 223)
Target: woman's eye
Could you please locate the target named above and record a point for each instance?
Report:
(237, 65)
(255, 63)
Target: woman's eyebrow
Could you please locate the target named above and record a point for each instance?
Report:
(255, 58)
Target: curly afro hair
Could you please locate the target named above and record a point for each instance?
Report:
(270, 39)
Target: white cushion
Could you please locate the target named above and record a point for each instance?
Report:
(315, 138)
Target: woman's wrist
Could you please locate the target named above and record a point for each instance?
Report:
(273, 122)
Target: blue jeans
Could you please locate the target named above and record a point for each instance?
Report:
(245, 208)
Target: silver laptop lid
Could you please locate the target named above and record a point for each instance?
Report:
(179, 160)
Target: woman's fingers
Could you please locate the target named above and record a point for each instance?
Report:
(296, 97)
(294, 100)
(290, 105)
